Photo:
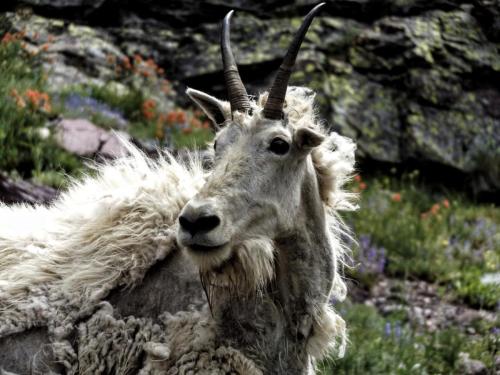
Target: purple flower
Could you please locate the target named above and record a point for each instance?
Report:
(387, 329)
(397, 330)
(364, 241)
(495, 331)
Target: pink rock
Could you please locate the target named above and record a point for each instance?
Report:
(83, 138)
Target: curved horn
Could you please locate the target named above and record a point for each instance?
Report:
(274, 105)
(237, 94)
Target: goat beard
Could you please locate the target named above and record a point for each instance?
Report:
(243, 276)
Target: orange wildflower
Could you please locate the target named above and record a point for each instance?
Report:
(195, 123)
(206, 125)
(362, 186)
(148, 109)
(39, 100)
(396, 197)
(446, 203)
(171, 117)
(357, 178)
(20, 102)
(181, 117)
(435, 209)
(187, 130)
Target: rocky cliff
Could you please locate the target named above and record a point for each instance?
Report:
(415, 82)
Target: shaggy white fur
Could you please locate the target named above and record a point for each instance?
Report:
(58, 262)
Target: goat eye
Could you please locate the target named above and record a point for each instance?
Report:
(279, 146)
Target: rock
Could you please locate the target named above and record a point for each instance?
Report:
(83, 138)
(25, 192)
(491, 278)
(470, 366)
(414, 82)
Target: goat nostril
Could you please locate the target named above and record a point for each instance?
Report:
(201, 224)
(185, 223)
(206, 223)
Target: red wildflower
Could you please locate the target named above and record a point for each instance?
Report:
(396, 197)
(446, 203)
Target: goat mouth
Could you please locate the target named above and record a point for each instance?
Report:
(205, 249)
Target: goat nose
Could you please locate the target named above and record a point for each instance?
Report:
(197, 224)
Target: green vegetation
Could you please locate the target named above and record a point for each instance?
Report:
(386, 345)
(26, 147)
(406, 231)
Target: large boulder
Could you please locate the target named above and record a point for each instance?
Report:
(415, 82)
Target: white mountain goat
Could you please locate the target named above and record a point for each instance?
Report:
(260, 227)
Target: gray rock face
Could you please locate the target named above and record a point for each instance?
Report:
(412, 81)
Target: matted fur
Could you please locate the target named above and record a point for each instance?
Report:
(108, 229)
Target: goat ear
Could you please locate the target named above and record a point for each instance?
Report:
(306, 138)
(217, 110)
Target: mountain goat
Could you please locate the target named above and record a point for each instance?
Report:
(259, 228)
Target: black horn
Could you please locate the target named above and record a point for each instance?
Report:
(274, 105)
(237, 94)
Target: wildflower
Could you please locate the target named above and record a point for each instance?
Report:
(45, 47)
(126, 63)
(206, 125)
(387, 329)
(362, 186)
(195, 123)
(435, 209)
(7, 38)
(181, 117)
(145, 73)
(148, 109)
(20, 102)
(357, 178)
(187, 130)
(171, 118)
(446, 203)
(397, 330)
(396, 197)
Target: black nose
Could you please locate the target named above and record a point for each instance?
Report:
(199, 224)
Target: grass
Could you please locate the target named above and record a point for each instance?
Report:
(386, 345)
(407, 231)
